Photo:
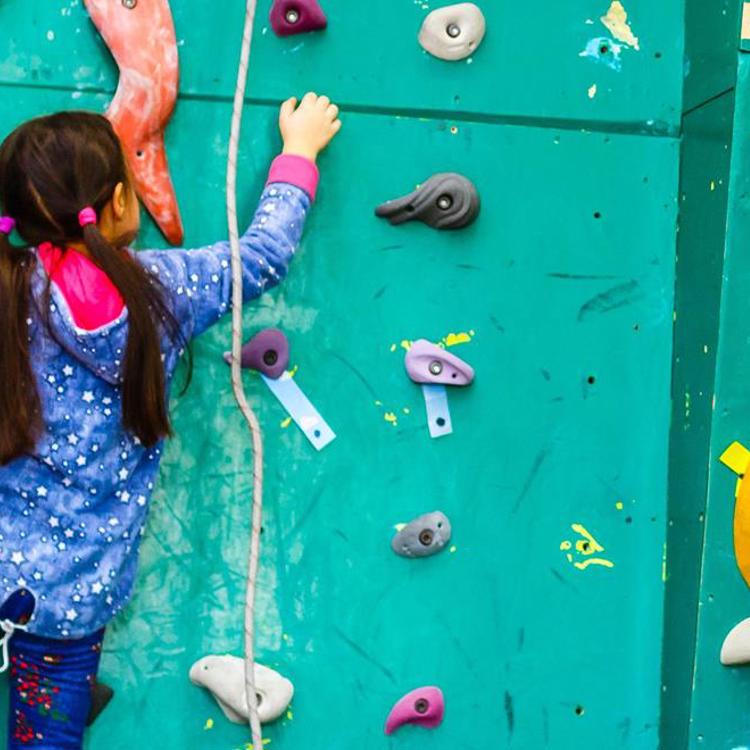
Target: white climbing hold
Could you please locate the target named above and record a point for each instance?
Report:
(224, 677)
(453, 32)
(736, 647)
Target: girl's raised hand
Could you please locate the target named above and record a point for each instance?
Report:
(308, 128)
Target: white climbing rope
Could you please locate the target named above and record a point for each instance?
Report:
(239, 391)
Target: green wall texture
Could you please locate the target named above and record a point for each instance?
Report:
(591, 412)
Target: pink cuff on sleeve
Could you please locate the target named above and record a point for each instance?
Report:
(296, 170)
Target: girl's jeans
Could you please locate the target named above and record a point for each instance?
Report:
(50, 690)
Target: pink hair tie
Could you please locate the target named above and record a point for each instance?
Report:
(7, 224)
(86, 216)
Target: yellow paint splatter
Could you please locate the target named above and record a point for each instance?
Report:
(452, 548)
(713, 186)
(619, 505)
(594, 561)
(249, 745)
(585, 546)
(378, 403)
(450, 339)
(592, 91)
(616, 21)
(406, 410)
(293, 371)
(286, 422)
(389, 416)
(209, 724)
(453, 339)
(664, 564)
(400, 526)
(289, 714)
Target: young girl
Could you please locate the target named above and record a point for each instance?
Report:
(90, 335)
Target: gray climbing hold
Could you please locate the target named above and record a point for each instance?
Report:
(446, 200)
(424, 536)
(224, 677)
(453, 32)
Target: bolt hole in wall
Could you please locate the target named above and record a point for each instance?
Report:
(591, 380)
(597, 215)
(580, 710)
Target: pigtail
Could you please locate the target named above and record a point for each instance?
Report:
(57, 174)
(144, 404)
(20, 407)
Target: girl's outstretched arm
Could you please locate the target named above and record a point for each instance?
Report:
(200, 280)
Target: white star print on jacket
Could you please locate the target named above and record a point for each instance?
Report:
(72, 514)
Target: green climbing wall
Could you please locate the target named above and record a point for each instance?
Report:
(544, 622)
(720, 717)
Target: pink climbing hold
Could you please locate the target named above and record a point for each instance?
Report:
(297, 16)
(428, 363)
(424, 706)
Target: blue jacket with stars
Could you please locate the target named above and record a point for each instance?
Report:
(72, 514)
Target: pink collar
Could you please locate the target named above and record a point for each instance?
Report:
(92, 298)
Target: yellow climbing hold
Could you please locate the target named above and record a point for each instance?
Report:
(736, 457)
(289, 714)
(616, 21)
(209, 724)
(293, 371)
(286, 422)
(406, 344)
(619, 505)
(592, 91)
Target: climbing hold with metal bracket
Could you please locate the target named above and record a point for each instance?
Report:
(434, 368)
(424, 706)
(297, 16)
(446, 200)
(424, 536)
(453, 32)
(736, 647)
(224, 677)
(268, 353)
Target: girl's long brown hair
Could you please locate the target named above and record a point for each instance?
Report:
(50, 168)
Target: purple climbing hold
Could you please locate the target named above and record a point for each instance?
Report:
(297, 16)
(266, 352)
(424, 706)
(428, 363)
